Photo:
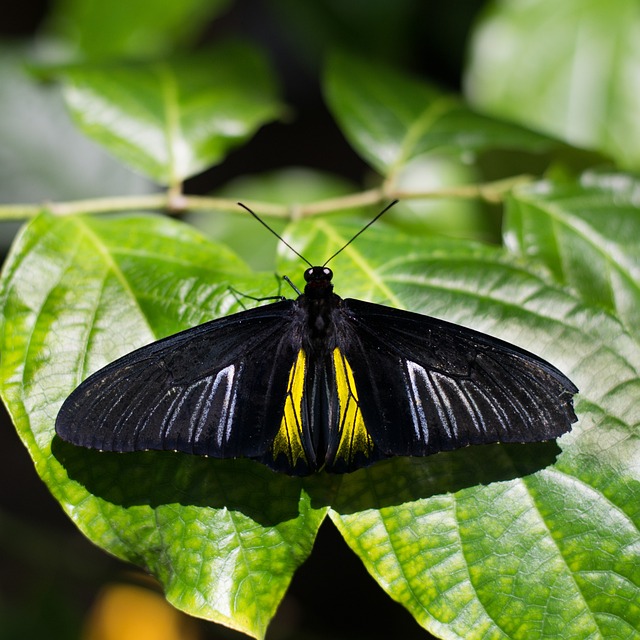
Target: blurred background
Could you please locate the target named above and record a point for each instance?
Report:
(571, 70)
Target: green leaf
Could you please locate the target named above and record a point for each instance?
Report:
(134, 28)
(552, 554)
(587, 234)
(496, 541)
(391, 118)
(79, 292)
(173, 119)
(569, 69)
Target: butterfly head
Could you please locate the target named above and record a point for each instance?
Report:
(318, 281)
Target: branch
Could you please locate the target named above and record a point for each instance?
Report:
(175, 203)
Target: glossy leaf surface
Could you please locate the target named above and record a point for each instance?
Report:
(601, 259)
(393, 119)
(170, 120)
(223, 539)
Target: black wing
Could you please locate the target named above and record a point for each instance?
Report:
(217, 389)
(426, 385)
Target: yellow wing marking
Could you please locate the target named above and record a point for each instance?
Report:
(288, 440)
(354, 436)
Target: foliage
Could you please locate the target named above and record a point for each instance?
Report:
(571, 70)
(497, 541)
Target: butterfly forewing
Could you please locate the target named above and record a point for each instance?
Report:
(217, 389)
(431, 386)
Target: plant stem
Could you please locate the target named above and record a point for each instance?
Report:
(173, 203)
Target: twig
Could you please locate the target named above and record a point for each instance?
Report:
(173, 203)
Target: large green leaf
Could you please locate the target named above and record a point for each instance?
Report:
(393, 119)
(553, 554)
(224, 539)
(569, 68)
(496, 541)
(173, 119)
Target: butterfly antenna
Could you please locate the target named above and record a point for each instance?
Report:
(366, 226)
(284, 242)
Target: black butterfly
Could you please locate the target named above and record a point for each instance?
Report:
(319, 383)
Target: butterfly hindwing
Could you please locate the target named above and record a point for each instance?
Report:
(426, 385)
(322, 425)
(292, 448)
(217, 389)
(350, 445)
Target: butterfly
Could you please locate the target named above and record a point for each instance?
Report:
(319, 382)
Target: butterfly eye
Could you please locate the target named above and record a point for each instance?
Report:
(315, 274)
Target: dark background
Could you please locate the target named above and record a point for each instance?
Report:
(50, 573)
